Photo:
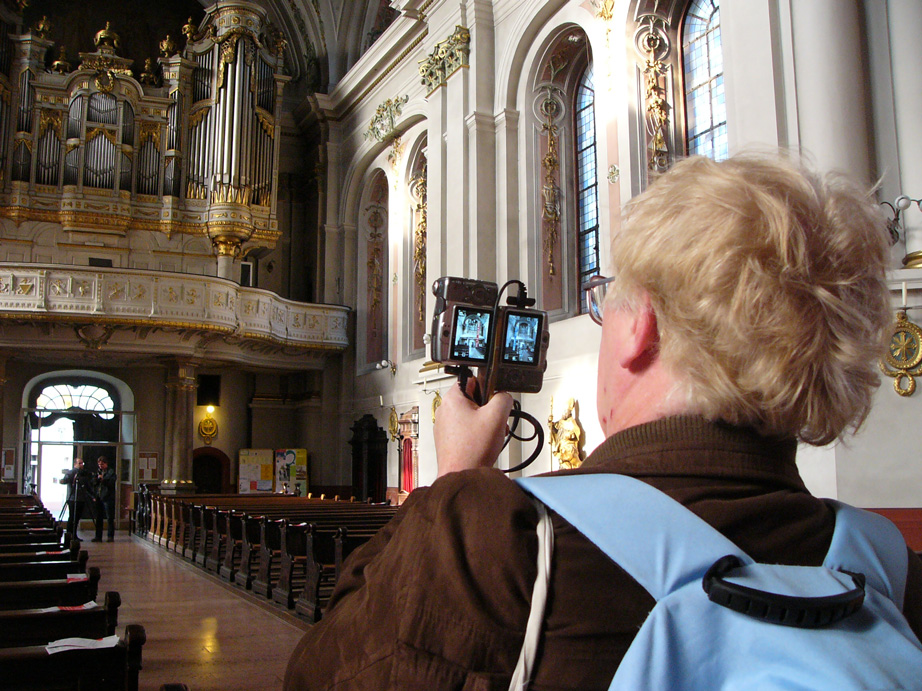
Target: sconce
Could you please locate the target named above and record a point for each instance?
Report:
(387, 364)
(208, 427)
(897, 207)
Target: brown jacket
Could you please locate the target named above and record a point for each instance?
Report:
(439, 599)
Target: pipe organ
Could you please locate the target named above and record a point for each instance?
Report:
(190, 146)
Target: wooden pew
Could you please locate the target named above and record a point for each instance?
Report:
(31, 668)
(39, 570)
(50, 592)
(45, 555)
(233, 544)
(36, 546)
(24, 627)
(219, 542)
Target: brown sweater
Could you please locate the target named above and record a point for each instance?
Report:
(439, 599)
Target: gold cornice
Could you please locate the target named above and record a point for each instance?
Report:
(20, 214)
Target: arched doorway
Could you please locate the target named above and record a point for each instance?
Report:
(75, 414)
(210, 471)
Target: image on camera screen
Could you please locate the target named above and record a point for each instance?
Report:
(521, 339)
(471, 334)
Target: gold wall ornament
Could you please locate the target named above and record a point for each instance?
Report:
(394, 156)
(436, 402)
(653, 45)
(393, 424)
(208, 428)
(904, 355)
(418, 191)
(384, 121)
(552, 110)
(447, 58)
(565, 436)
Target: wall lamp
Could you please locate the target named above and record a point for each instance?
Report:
(897, 207)
(387, 364)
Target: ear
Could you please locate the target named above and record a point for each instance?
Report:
(641, 344)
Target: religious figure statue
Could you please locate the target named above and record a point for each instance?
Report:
(565, 435)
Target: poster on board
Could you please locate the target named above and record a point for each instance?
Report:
(9, 465)
(291, 471)
(147, 465)
(256, 471)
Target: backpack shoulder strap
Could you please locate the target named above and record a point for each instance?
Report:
(866, 542)
(624, 517)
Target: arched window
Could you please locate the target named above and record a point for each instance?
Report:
(705, 102)
(63, 397)
(587, 182)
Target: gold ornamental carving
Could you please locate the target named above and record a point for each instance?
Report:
(149, 131)
(208, 428)
(384, 122)
(565, 436)
(53, 120)
(653, 44)
(393, 424)
(448, 57)
(903, 359)
(418, 190)
(551, 110)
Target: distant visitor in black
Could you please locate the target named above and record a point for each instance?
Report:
(78, 481)
(105, 499)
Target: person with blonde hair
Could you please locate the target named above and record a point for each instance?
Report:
(746, 313)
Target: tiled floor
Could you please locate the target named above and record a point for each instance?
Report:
(199, 631)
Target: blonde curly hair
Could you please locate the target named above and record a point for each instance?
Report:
(768, 284)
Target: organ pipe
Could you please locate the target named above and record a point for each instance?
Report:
(206, 135)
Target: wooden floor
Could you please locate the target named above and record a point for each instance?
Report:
(199, 630)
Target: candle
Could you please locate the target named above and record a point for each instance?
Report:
(904, 293)
(381, 398)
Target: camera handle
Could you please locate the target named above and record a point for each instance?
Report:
(464, 375)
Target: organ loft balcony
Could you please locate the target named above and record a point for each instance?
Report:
(80, 315)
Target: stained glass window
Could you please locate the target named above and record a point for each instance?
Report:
(587, 196)
(705, 103)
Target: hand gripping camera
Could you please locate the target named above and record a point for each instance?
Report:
(507, 344)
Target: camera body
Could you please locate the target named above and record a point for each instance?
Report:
(507, 343)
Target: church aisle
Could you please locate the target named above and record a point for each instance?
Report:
(199, 632)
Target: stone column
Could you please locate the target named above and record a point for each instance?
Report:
(905, 24)
(831, 79)
(181, 386)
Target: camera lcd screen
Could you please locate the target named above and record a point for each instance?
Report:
(520, 340)
(471, 334)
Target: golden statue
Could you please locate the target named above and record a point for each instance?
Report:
(106, 40)
(149, 75)
(189, 30)
(565, 435)
(42, 28)
(167, 47)
(61, 65)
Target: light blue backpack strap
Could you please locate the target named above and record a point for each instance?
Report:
(868, 543)
(625, 518)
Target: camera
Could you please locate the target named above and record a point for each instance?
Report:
(508, 344)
